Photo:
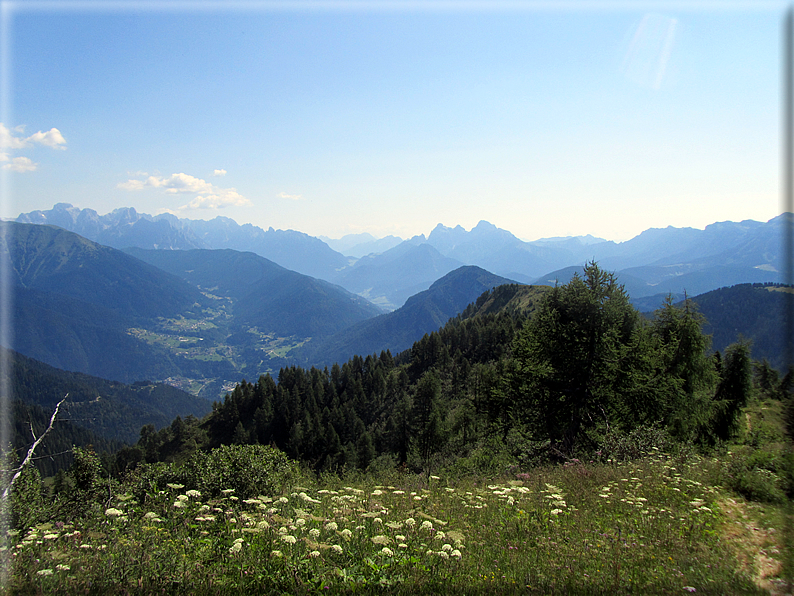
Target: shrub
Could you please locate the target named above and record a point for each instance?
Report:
(753, 474)
(640, 442)
(27, 502)
(250, 470)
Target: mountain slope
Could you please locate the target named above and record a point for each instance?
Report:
(390, 278)
(266, 295)
(290, 249)
(97, 412)
(422, 313)
(755, 312)
(74, 301)
(50, 259)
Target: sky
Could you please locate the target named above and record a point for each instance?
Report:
(334, 118)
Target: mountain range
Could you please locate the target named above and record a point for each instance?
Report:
(202, 319)
(654, 263)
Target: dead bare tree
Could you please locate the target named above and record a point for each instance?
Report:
(36, 441)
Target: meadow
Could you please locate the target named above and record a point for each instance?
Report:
(662, 524)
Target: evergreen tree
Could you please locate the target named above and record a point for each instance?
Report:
(733, 390)
(575, 360)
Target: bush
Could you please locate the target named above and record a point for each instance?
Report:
(640, 442)
(250, 470)
(27, 501)
(754, 475)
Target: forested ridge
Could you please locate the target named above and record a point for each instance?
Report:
(517, 375)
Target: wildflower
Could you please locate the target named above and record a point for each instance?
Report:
(377, 520)
(380, 539)
(62, 567)
(402, 545)
(346, 533)
(336, 548)
(442, 554)
(289, 539)
(276, 553)
(399, 492)
(387, 551)
(690, 589)
(236, 547)
(399, 538)
(314, 554)
(556, 511)
(455, 553)
(175, 486)
(113, 512)
(193, 494)
(426, 525)
(283, 500)
(377, 493)
(410, 522)
(446, 547)
(44, 572)
(282, 530)
(436, 477)
(331, 526)
(226, 491)
(417, 498)
(300, 522)
(50, 536)
(182, 498)
(314, 533)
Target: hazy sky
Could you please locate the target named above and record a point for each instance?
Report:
(335, 118)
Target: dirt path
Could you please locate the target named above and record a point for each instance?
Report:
(759, 550)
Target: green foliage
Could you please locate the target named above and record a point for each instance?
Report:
(249, 470)
(581, 364)
(640, 442)
(733, 390)
(574, 529)
(756, 475)
(686, 367)
(86, 471)
(27, 501)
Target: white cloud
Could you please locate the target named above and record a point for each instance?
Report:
(284, 195)
(220, 172)
(20, 164)
(52, 138)
(209, 195)
(12, 139)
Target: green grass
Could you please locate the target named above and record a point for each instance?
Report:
(656, 526)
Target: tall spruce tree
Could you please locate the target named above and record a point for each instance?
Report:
(574, 360)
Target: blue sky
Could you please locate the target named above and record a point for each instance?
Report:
(333, 118)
